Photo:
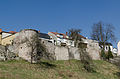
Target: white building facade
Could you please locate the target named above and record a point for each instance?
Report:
(118, 45)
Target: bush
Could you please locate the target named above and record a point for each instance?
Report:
(86, 60)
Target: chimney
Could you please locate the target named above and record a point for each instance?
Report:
(39, 31)
(66, 33)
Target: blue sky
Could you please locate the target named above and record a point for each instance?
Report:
(59, 15)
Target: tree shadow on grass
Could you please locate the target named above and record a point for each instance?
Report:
(46, 65)
(117, 74)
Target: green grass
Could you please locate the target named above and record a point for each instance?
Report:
(72, 69)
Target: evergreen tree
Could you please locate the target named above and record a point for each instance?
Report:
(109, 55)
(103, 55)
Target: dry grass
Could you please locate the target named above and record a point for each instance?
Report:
(55, 70)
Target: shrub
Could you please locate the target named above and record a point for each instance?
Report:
(86, 60)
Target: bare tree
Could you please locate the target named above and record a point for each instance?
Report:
(84, 56)
(74, 34)
(38, 49)
(33, 43)
(103, 33)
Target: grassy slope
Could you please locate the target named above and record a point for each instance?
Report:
(55, 70)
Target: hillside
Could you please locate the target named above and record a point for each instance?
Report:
(55, 70)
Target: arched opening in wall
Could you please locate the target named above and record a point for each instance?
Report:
(21, 47)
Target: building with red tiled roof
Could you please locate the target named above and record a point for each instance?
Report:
(82, 36)
(60, 39)
(13, 32)
(6, 37)
(0, 30)
(60, 34)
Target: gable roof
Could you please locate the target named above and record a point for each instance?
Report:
(11, 32)
(64, 35)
